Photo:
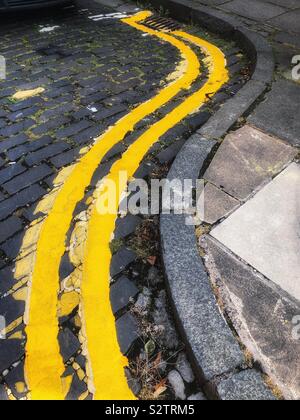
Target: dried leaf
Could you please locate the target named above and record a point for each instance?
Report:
(152, 260)
(160, 388)
(159, 391)
(157, 361)
(161, 384)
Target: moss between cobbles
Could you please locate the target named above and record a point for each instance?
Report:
(116, 245)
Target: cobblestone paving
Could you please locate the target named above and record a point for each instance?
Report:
(89, 81)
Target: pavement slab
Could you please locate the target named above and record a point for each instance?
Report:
(283, 54)
(289, 39)
(288, 22)
(291, 4)
(261, 314)
(259, 10)
(246, 160)
(279, 114)
(265, 231)
(217, 204)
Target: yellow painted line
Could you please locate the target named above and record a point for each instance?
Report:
(96, 266)
(43, 364)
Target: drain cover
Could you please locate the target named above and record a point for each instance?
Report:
(161, 23)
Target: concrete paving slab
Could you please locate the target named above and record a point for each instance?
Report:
(286, 38)
(280, 113)
(246, 160)
(288, 22)
(265, 231)
(217, 204)
(262, 316)
(259, 10)
(283, 57)
(291, 4)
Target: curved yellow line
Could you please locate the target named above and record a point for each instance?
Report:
(43, 364)
(96, 266)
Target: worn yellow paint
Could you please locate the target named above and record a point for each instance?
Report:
(83, 396)
(76, 366)
(24, 267)
(18, 335)
(20, 387)
(96, 266)
(66, 384)
(11, 397)
(11, 327)
(77, 241)
(17, 286)
(62, 176)
(25, 263)
(26, 258)
(73, 282)
(44, 365)
(30, 239)
(25, 94)
(20, 294)
(44, 206)
(80, 374)
(67, 303)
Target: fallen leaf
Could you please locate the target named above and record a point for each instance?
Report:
(159, 391)
(160, 384)
(157, 361)
(152, 260)
(160, 388)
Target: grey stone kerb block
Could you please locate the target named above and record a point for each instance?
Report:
(245, 386)
(213, 345)
(214, 348)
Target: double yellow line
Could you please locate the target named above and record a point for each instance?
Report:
(44, 365)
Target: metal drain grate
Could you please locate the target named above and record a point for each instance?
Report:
(161, 23)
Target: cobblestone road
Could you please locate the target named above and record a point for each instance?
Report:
(69, 78)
